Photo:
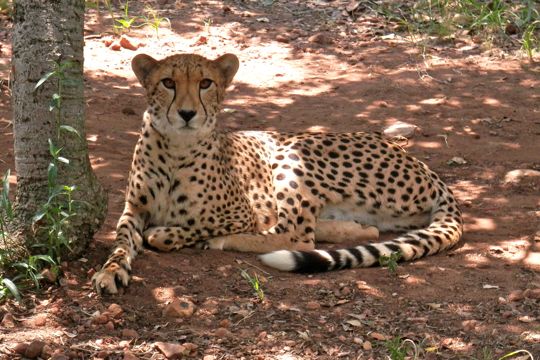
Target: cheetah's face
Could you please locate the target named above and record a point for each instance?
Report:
(184, 92)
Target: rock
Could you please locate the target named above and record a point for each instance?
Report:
(129, 334)
(378, 336)
(222, 332)
(516, 295)
(532, 293)
(50, 276)
(128, 355)
(20, 348)
(115, 45)
(400, 129)
(170, 350)
(282, 38)
(8, 321)
(180, 307)
(225, 323)
(321, 39)
(128, 43)
(190, 347)
(516, 176)
(313, 305)
(115, 311)
(100, 319)
(34, 349)
(40, 320)
(367, 345)
(358, 340)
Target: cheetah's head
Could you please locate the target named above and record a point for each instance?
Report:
(184, 92)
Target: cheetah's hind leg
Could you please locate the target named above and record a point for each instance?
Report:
(338, 231)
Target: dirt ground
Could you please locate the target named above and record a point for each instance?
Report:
(305, 65)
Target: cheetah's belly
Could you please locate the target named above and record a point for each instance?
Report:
(384, 219)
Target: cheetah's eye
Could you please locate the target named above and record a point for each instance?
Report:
(205, 83)
(168, 83)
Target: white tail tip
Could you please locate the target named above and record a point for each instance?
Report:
(282, 260)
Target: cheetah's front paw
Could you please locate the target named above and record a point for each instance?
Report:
(110, 278)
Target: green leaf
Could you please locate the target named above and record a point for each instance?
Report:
(52, 174)
(12, 288)
(55, 102)
(44, 78)
(38, 216)
(45, 258)
(70, 129)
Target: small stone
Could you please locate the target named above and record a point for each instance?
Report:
(400, 129)
(40, 320)
(115, 311)
(532, 293)
(100, 319)
(225, 323)
(8, 321)
(516, 295)
(358, 340)
(128, 355)
(115, 45)
(282, 38)
(170, 350)
(180, 307)
(129, 334)
(378, 336)
(367, 346)
(191, 348)
(222, 333)
(321, 39)
(313, 305)
(128, 43)
(34, 349)
(50, 276)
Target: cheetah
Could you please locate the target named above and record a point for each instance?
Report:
(273, 193)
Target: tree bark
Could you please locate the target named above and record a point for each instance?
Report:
(48, 33)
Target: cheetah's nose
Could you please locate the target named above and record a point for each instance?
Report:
(187, 114)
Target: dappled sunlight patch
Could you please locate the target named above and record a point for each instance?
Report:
(318, 128)
(491, 101)
(480, 224)
(467, 190)
(428, 144)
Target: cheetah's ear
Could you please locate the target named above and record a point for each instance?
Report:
(142, 65)
(228, 64)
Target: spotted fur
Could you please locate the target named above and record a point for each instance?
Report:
(266, 192)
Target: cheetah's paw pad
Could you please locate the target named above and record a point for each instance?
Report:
(108, 279)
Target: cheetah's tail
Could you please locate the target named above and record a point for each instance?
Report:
(443, 233)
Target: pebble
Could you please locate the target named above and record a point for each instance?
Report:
(367, 345)
(378, 336)
(180, 307)
(129, 334)
(170, 350)
(128, 43)
(532, 293)
(313, 305)
(358, 341)
(222, 332)
(516, 295)
(100, 319)
(115, 311)
(321, 39)
(400, 129)
(8, 321)
(20, 348)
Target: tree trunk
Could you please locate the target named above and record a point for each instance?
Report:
(48, 34)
